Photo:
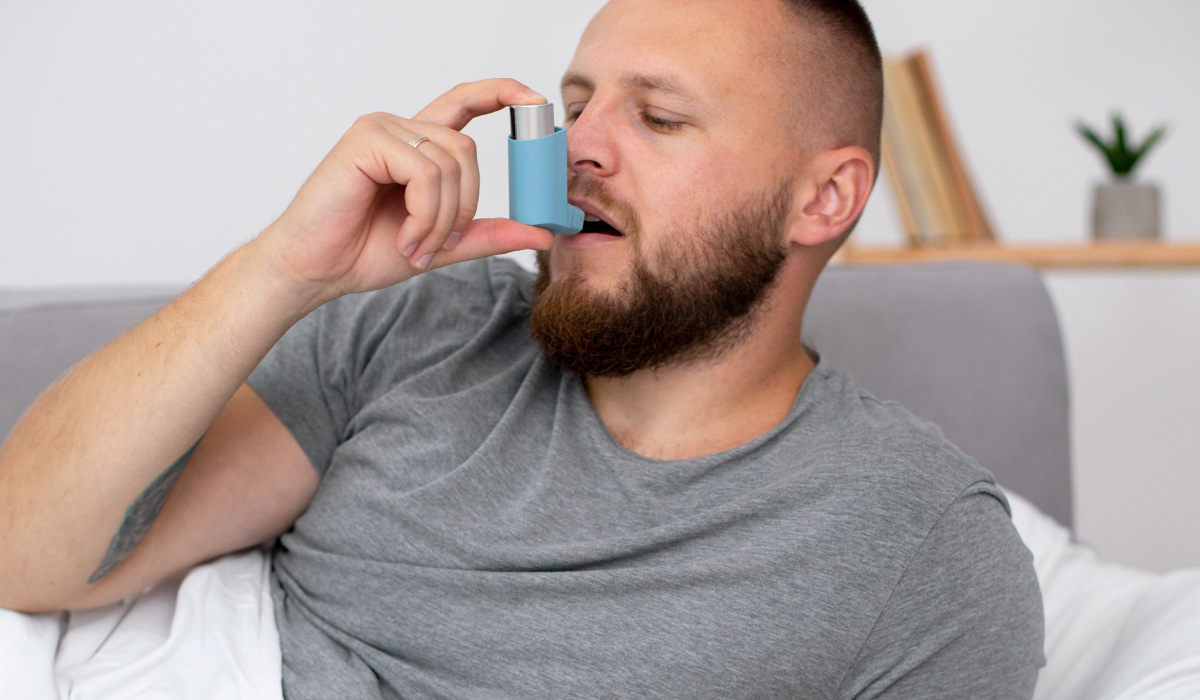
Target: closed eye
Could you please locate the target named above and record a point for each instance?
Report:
(657, 123)
(573, 110)
(661, 124)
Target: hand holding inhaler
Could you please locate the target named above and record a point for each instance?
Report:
(393, 198)
(537, 172)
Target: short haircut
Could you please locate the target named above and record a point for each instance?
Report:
(840, 72)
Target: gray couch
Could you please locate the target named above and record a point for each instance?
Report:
(973, 347)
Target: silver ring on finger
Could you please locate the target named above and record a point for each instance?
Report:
(418, 141)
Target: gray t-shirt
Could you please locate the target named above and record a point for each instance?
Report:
(479, 534)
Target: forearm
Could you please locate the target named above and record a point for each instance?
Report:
(83, 472)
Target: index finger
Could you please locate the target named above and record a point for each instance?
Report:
(464, 102)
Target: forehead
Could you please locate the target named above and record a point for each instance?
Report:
(713, 46)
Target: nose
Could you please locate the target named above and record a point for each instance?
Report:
(591, 149)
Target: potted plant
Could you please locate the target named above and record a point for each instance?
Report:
(1123, 208)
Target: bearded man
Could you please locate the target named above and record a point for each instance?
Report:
(627, 478)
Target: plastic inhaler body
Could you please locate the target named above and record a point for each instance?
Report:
(537, 172)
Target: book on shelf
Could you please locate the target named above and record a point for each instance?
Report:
(934, 196)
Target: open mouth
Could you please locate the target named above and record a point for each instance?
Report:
(592, 224)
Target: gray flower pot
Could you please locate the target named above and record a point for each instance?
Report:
(1125, 210)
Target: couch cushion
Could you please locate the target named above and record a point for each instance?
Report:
(44, 332)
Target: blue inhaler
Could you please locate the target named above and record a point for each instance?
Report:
(537, 172)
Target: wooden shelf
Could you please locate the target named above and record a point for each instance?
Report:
(1086, 255)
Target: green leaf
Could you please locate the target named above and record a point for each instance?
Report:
(1090, 135)
(1154, 137)
(1119, 127)
(1121, 159)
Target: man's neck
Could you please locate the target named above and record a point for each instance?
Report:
(702, 408)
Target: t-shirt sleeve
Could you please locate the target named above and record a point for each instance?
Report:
(347, 353)
(305, 381)
(965, 619)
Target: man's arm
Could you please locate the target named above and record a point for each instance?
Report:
(96, 501)
(86, 470)
(246, 483)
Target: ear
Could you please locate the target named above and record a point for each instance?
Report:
(832, 196)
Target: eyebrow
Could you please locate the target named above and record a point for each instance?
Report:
(636, 81)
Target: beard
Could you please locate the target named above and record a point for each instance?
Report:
(698, 300)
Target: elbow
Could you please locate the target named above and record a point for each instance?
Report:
(21, 594)
(32, 609)
(36, 604)
(25, 593)
(19, 591)
(22, 602)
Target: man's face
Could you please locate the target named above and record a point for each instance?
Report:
(677, 142)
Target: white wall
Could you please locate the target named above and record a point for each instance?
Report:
(1131, 341)
(140, 141)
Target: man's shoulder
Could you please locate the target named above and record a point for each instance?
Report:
(491, 279)
(881, 434)
(473, 312)
(450, 304)
(916, 448)
(891, 463)
(476, 286)
(891, 511)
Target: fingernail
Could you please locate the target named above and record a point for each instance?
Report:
(409, 250)
(532, 93)
(424, 261)
(452, 240)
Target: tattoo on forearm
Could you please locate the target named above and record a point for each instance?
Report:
(139, 517)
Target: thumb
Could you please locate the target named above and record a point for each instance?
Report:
(485, 237)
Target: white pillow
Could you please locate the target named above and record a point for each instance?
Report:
(211, 636)
(1111, 631)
